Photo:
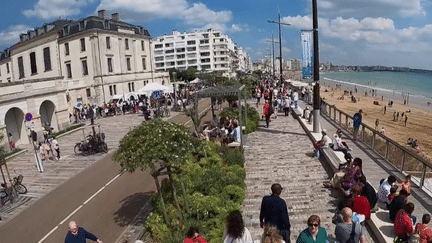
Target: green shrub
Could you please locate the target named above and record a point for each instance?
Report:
(233, 156)
(156, 226)
(238, 170)
(234, 193)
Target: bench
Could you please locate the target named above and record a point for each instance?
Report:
(380, 224)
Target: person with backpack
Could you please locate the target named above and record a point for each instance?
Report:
(357, 121)
(348, 231)
(267, 111)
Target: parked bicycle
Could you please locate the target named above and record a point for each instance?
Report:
(16, 185)
(92, 145)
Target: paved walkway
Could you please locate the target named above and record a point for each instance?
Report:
(282, 154)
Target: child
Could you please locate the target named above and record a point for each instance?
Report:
(392, 194)
(406, 184)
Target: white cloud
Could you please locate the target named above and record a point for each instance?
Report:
(46, 9)
(239, 28)
(11, 35)
(372, 8)
(195, 15)
(285, 50)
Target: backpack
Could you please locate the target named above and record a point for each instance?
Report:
(352, 235)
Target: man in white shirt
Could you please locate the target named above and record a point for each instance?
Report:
(295, 98)
(384, 189)
(325, 143)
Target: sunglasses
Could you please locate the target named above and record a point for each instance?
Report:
(315, 225)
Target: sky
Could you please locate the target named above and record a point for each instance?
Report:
(351, 32)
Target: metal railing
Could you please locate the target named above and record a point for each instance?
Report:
(399, 156)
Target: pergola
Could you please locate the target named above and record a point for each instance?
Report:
(226, 91)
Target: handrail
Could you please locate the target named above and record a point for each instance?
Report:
(388, 140)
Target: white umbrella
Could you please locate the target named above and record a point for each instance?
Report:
(196, 81)
(153, 87)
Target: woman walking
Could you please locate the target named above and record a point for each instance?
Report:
(236, 232)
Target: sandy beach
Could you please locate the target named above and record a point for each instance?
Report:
(419, 125)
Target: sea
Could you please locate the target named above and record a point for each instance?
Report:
(414, 87)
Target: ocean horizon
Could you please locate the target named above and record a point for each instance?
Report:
(417, 85)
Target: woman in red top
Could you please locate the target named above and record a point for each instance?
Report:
(403, 224)
(406, 184)
(267, 112)
(423, 229)
(193, 236)
(360, 203)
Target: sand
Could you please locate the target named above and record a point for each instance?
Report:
(419, 125)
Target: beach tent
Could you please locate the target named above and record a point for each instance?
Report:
(196, 81)
(150, 87)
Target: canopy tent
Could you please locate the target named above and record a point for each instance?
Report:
(196, 81)
(150, 87)
(218, 91)
(298, 84)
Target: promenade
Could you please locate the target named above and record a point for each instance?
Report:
(283, 154)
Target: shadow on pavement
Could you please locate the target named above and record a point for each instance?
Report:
(131, 206)
(269, 130)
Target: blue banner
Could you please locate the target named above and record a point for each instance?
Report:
(307, 55)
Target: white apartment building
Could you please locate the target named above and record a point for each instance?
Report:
(209, 50)
(64, 62)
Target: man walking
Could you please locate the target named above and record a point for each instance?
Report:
(274, 211)
(344, 231)
(357, 121)
(79, 235)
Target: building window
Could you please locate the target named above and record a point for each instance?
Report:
(127, 44)
(69, 70)
(67, 49)
(128, 63)
(142, 46)
(192, 42)
(110, 66)
(33, 66)
(88, 92)
(82, 40)
(21, 67)
(130, 87)
(133, 86)
(84, 67)
(158, 46)
(144, 63)
(111, 90)
(108, 43)
(47, 58)
(7, 68)
(115, 89)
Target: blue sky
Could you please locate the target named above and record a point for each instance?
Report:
(352, 32)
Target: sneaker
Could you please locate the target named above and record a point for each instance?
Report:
(350, 149)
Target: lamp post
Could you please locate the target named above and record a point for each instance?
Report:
(316, 96)
(274, 68)
(175, 107)
(280, 43)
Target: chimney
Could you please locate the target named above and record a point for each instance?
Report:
(116, 17)
(102, 14)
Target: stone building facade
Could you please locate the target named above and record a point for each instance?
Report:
(62, 63)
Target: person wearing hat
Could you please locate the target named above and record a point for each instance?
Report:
(274, 212)
(323, 143)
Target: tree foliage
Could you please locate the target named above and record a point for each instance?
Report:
(153, 142)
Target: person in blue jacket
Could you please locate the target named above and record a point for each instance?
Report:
(79, 235)
(357, 121)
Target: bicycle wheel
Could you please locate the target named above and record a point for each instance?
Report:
(104, 147)
(3, 194)
(21, 189)
(76, 149)
(167, 112)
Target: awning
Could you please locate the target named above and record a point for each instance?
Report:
(219, 91)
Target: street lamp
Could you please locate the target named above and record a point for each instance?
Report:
(273, 42)
(316, 96)
(175, 107)
(280, 43)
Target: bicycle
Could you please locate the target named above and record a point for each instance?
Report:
(16, 185)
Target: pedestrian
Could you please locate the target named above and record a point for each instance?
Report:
(271, 235)
(403, 224)
(313, 233)
(274, 211)
(55, 146)
(77, 234)
(11, 141)
(236, 232)
(406, 120)
(267, 112)
(360, 203)
(384, 189)
(193, 236)
(357, 121)
(397, 116)
(397, 204)
(377, 124)
(349, 229)
(385, 109)
(394, 116)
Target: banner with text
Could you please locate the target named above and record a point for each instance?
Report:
(307, 55)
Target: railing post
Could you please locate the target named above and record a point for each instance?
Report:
(340, 117)
(329, 114)
(423, 176)
(346, 122)
(363, 133)
(334, 113)
(403, 162)
(373, 141)
(387, 149)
